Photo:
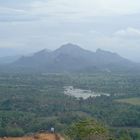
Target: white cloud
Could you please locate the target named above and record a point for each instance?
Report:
(85, 8)
(6, 10)
(12, 14)
(71, 10)
(129, 33)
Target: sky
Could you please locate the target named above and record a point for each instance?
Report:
(30, 25)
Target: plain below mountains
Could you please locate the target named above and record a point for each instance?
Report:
(72, 58)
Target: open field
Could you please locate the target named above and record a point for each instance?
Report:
(133, 101)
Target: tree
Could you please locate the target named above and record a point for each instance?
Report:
(87, 130)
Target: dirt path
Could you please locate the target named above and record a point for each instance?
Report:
(41, 136)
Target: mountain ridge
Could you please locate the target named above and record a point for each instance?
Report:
(71, 58)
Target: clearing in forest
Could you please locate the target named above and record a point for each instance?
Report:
(133, 101)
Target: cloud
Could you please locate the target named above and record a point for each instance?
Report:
(130, 32)
(85, 8)
(66, 10)
(50, 23)
(12, 14)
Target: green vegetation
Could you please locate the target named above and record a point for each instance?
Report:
(133, 101)
(30, 103)
(88, 129)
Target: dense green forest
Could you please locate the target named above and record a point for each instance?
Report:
(35, 102)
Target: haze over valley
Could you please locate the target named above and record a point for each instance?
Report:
(69, 70)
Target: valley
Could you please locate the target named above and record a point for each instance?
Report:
(30, 103)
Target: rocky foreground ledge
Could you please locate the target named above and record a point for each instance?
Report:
(39, 136)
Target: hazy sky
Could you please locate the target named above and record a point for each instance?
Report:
(31, 25)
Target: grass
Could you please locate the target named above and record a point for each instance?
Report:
(132, 101)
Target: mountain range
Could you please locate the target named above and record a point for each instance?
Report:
(71, 58)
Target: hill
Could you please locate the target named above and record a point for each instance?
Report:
(72, 58)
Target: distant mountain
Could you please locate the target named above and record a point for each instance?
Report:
(72, 58)
(8, 52)
(8, 59)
